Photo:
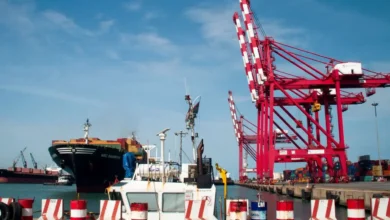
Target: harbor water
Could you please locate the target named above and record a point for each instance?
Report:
(67, 193)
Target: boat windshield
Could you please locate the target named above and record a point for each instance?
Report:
(141, 197)
(171, 202)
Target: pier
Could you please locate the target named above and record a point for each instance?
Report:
(339, 192)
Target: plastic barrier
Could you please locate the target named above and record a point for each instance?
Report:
(52, 209)
(323, 209)
(27, 205)
(139, 211)
(284, 210)
(78, 210)
(380, 208)
(110, 210)
(238, 210)
(6, 200)
(355, 209)
(259, 210)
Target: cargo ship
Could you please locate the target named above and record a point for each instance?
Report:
(24, 174)
(94, 163)
(218, 180)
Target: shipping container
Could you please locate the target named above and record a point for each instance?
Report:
(36, 171)
(368, 178)
(349, 162)
(386, 173)
(364, 157)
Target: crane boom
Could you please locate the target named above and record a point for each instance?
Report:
(23, 159)
(33, 161)
(18, 157)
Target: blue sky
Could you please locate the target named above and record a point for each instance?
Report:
(123, 64)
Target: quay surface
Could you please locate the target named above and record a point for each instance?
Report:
(340, 191)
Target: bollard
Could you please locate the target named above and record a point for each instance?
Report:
(139, 211)
(259, 210)
(238, 210)
(27, 205)
(284, 210)
(356, 209)
(78, 210)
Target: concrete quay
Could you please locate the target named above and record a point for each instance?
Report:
(340, 191)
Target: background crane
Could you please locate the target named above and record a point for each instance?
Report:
(33, 161)
(18, 158)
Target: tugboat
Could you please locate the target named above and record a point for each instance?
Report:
(169, 188)
(63, 180)
(94, 163)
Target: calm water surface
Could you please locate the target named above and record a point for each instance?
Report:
(39, 192)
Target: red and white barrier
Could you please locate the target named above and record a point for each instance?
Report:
(52, 209)
(323, 209)
(285, 210)
(195, 209)
(238, 210)
(6, 200)
(355, 209)
(139, 211)
(380, 208)
(27, 205)
(78, 210)
(110, 210)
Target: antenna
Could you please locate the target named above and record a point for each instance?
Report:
(192, 113)
(87, 125)
(181, 134)
(185, 85)
(162, 136)
(148, 148)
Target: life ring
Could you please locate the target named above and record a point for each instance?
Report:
(5, 212)
(15, 211)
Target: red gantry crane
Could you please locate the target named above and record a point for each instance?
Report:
(245, 132)
(316, 81)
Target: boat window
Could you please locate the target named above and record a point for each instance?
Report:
(173, 202)
(150, 198)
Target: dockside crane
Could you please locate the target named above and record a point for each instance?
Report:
(317, 83)
(33, 161)
(18, 158)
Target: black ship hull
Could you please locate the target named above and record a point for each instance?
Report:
(94, 168)
(219, 182)
(7, 176)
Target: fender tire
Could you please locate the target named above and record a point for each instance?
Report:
(5, 212)
(15, 211)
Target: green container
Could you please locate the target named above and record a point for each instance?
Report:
(368, 178)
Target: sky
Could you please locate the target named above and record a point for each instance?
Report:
(126, 65)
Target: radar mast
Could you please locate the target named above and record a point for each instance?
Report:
(87, 125)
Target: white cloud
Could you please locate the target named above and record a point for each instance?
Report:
(217, 26)
(105, 26)
(51, 94)
(150, 40)
(216, 23)
(151, 15)
(113, 55)
(133, 5)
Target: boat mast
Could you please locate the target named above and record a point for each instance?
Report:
(87, 125)
(190, 121)
(181, 134)
(162, 136)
